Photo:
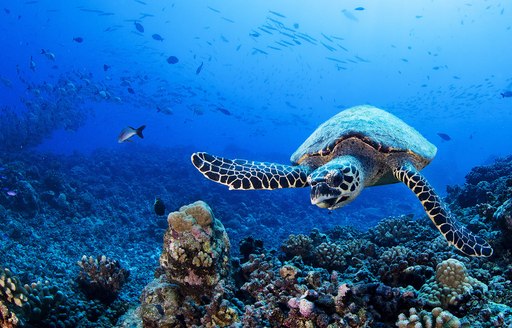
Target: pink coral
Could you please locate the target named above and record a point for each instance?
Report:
(306, 307)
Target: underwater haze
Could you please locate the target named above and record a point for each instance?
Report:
(104, 102)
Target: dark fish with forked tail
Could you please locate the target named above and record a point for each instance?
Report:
(159, 207)
(506, 94)
(129, 132)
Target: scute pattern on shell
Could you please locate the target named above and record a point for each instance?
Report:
(371, 125)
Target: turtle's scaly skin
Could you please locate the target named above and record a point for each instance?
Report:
(455, 233)
(250, 175)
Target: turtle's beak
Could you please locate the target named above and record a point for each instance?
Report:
(323, 196)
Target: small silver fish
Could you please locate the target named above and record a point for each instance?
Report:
(47, 54)
(32, 64)
(129, 132)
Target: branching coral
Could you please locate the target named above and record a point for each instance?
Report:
(399, 231)
(331, 256)
(101, 278)
(298, 245)
(7, 318)
(37, 303)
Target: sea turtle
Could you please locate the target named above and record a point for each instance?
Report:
(360, 146)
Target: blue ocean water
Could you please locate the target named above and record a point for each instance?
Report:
(248, 80)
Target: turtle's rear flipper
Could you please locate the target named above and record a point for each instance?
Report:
(248, 175)
(454, 232)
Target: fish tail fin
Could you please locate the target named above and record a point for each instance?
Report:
(502, 95)
(139, 131)
(43, 51)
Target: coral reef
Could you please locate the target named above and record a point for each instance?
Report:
(36, 303)
(196, 249)
(193, 286)
(330, 277)
(101, 278)
(7, 318)
(400, 230)
(453, 287)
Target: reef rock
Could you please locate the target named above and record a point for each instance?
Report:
(196, 249)
(504, 214)
(192, 286)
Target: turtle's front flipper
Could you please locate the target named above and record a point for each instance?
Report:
(247, 175)
(454, 232)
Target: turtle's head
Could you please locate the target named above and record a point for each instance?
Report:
(336, 183)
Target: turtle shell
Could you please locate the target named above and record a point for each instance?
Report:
(382, 131)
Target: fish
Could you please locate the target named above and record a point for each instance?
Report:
(224, 111)
(359, 8)
(172, 60)
(444, 136)
(7, 11)
(277, 14)
(198, 70)
(32, 64)
(129, 132)
(106, 67)
(328, 47)
(78, 39)
(139, 27)
(159, 207)
(349, 15)
(213, 9)
(258, 51)
(326, 37)
(47, 54)
(130, 90)
(91, 10)
(506, 94)
(166, 110)
(11, 193)
(264, 30)
(157, 37)
(336, 60)
(228, 20)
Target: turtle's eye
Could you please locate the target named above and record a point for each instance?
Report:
(335, 178)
